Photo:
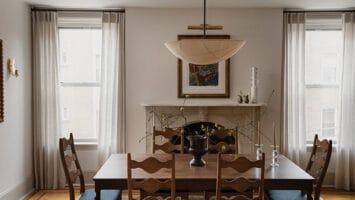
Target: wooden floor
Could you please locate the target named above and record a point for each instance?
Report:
(63, 195)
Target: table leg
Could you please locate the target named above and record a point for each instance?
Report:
(309, 191)
(98, 192)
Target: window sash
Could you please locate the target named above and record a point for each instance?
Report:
(80, 84)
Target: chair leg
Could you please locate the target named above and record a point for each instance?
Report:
(316, 195)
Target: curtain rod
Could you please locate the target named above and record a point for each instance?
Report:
(319, 11)
(77, 10)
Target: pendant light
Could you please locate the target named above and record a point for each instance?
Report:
(204, 51)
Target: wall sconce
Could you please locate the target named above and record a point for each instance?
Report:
(12, 68)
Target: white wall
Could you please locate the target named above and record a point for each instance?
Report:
(16, 177)
(152, 69)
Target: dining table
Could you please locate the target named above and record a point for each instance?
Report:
(286, 176)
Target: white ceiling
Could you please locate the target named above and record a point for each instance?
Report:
(294, 4)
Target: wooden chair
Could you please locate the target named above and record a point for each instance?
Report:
(152, 188)
(223, 141)
(73, 170)
(318, 162)
(317, 167)
(173, 137)
(244, 188)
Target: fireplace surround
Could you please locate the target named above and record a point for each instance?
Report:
(191, 116)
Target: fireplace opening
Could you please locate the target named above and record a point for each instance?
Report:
(196, 128)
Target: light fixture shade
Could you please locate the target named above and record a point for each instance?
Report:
(204, 51)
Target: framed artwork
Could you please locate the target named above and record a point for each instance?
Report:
(1, 84)
(203, 81)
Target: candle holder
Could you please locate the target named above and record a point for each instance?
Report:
(259, 150)
(275, 156)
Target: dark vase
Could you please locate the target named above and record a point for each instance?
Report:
(198, 147)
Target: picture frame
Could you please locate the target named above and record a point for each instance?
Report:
(2, 107)
(203, 81)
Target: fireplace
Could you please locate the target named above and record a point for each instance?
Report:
(227, 115)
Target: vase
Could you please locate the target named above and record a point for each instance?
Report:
(253, 89)
(198, 147)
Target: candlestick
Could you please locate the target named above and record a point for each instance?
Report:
(273, 124)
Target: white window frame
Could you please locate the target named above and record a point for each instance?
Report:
(324, 22)
(323, 121)
(80, 20)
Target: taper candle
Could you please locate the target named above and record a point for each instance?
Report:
(273, 124)
(259, 132)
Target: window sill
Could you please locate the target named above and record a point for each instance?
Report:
(309, 148)
(86, 145)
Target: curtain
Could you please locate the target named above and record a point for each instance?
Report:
(46, 112)
(345, 155)
(112, 93)
(294, 133)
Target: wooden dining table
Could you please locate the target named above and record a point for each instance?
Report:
(113, 174)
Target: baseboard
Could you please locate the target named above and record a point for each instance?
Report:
(28, 195)
(18, 191)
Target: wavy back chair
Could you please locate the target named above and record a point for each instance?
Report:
(317, 167)
(223, 141)
(172, 136)
(73, 170)
(152, 188)
(244, 188)
(318, 162)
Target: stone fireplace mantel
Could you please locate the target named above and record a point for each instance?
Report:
(228, 114)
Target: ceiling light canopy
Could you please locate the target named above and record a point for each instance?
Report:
(204, 51)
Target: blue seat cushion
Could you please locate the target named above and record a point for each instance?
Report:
(105, 195)
(285, 195)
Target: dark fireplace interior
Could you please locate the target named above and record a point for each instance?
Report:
(195, 128)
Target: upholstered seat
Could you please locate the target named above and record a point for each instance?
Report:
(286, 195)
(73, 171)
(105, 195)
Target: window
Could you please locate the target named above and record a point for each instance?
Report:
(328, 123)
(323, 53)
(80, 66)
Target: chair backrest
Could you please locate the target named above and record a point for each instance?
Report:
(319, 161)
(150, 187)
(172, 137)
(71, 164)
(245, 188)
(223, 141)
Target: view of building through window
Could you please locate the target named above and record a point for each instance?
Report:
(80, 65)
(323, 59)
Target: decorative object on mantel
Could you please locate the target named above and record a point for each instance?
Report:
(246, 99)
(2, 101)
(203, 81)
(12, 68)
(253, 90)
(204, 50)
(240, 97)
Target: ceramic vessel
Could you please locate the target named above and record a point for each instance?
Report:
(198, 148)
